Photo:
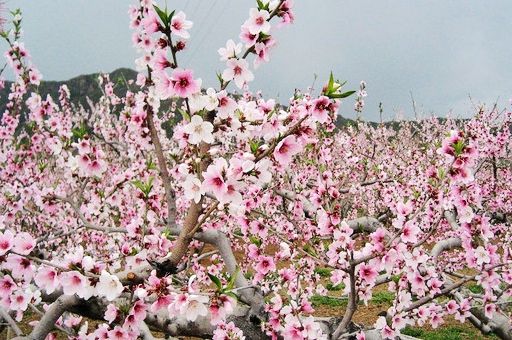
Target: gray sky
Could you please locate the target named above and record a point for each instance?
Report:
(440, 50)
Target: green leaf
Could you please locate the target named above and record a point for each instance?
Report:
(331, 83)
(310, 250)
(42, 165)
(232, 279)
(184, 114)
(255, 145)
(215, 280)
(441, 173)
(233, 295)
(145, 188)
(170, 16)
(255, 240)
(262, 5)
(264, 37)
(340, 95)
(150, 164)
(80, 131)
(163, 15)
(219, 77)
(458, 147)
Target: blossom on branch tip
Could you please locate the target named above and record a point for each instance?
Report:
(184, 84)
(180, 26)
(109, 286)
(286, 149)
(192, 188)
(199, 130)
(238, 70)
(258, 21)
(230, 51)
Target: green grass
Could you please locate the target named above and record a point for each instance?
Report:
(476, 289)
(323, 272)
(318, 300)
(335, 288)
(381, 298)
(448, 333)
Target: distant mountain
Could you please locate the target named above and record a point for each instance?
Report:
(80, 87)
(86, 86)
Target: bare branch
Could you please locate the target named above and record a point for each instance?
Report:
(47, 322)
(164, 173)
(10, 321)
(445, 245)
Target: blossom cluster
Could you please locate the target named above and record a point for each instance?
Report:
(239, 205)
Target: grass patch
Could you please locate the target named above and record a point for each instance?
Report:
(412, 331)
(381, 298)
(448, 333)
(335, 288)
(476, 289)
(323, 272)
(319, 300)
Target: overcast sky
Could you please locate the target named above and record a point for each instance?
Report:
(441, 51)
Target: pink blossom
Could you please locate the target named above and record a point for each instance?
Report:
(109, 286)
(160, 61)
(111, 313)
(75, 283)
(320, 109)
(451, 307)
(139, 310)
(119, 333)
(293, 332)
(20, 267)
(160, 303)
(262, 50)
(230, 51)
(7, 286)
(257, 22)
(184, 83)
(410, 232)
(231, 194)
(238, 70)
(6, 242)
(265, 265)
(192, 188)
(247, 37)
(286, 149)
(214, 178)
(179, 25)
(404, 209)
(368, 273)
(199, 130)
(35, 76)
(194, 307)
(20, 300)
(227, 105)
(47, 278)
(150, 22)
(482, 256)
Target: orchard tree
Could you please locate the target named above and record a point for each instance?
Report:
(218, 228)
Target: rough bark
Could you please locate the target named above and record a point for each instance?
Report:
(47, 322)
(445, 245)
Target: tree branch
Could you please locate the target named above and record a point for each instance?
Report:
(47, 322)
(10, 321)
(445, 245)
